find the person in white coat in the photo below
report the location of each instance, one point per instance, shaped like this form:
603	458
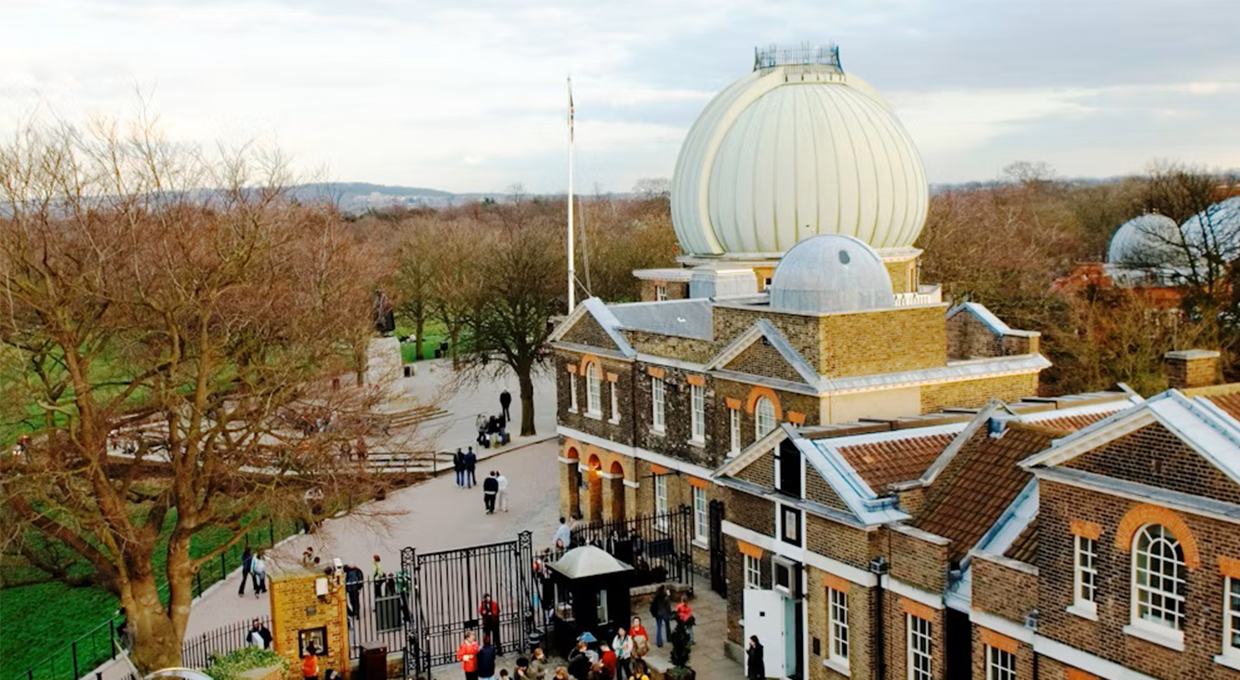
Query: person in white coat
502	501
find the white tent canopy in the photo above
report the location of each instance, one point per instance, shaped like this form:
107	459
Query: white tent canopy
588	561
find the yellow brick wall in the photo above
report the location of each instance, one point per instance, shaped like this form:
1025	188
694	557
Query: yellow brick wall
866	343
971	393
295	607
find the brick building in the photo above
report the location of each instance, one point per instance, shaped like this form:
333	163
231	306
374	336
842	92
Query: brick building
874	482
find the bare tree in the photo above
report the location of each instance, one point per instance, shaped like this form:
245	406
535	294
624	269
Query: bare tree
172	326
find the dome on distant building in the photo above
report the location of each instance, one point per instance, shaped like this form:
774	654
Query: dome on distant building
831	273
1215	230
795	149
1146	240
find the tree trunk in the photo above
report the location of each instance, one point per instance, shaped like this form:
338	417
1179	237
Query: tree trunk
527	402
156	644
419	324
454	332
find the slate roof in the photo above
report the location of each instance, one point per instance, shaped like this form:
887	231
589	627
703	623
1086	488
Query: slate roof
1025	547
690	318
895	460
979	484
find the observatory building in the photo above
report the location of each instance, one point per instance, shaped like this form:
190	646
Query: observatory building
858	466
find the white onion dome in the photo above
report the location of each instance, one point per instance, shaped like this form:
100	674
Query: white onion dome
796	149
1215	231
1146	240
831	273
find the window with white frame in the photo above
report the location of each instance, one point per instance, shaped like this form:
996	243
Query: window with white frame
1231	617
920	658
734	429
697	395
763	416
837	625
660	293
660	501
594	391
656	404
753	573
572	392
1085	574
615	402
701	522
1158	580
1000	664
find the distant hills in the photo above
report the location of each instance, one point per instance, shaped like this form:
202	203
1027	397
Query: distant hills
358	197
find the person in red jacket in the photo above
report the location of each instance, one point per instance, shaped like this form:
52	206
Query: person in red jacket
467	654
488	611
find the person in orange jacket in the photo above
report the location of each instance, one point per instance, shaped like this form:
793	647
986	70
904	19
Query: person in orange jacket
467	654
310	664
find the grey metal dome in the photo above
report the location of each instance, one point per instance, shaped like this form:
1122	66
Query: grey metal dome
831	273
1215	231
1146	240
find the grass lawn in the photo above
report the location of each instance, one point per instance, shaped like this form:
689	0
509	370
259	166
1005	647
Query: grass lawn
433	334
41	619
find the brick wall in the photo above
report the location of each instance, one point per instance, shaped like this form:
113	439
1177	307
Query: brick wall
860	624
983	637
672	346
587	332
843	543
809	407
895	630
1186	373
761	358
675	440
1153	455
917	561
902	280
1002	590
676	290
972	393
801	331
295	607
751	512
1059	506
605	426
736	586
817	490
760	472
865	343
968	338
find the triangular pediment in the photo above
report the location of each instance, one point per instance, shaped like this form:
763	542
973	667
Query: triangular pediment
593	325
1170	441
763	351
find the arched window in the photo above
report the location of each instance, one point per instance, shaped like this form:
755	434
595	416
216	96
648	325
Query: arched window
594	391
1158	577
763	416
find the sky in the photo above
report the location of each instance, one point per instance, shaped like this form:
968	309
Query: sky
469	96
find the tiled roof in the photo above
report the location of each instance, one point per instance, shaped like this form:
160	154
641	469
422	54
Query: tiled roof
1228	402
1072	423
1025	547
978	485
895	460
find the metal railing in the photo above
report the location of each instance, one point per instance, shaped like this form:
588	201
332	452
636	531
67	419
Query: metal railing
803	55
199	651
664	551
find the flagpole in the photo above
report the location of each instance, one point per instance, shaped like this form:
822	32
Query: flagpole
571	273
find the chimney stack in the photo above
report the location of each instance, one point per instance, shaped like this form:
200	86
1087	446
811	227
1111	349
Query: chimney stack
1188	368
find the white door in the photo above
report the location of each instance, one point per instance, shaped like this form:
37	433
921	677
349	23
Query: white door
764	617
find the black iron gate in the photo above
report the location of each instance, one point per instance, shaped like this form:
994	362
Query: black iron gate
448	588
718	557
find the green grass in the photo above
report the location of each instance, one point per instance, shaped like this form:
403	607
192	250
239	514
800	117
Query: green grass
432	334
41	619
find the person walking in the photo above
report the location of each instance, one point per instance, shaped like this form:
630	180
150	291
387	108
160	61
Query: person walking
623	646
458	464
755	664
505	400
490	489
354	581
661	610
564	535
488	611
258	567
502	497
486	660
467	654
684	614
471	461
310	664
247	563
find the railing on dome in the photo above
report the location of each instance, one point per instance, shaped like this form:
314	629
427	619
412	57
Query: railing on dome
805	55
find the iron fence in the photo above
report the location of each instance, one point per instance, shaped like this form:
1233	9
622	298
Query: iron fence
379	610
658	546
198	652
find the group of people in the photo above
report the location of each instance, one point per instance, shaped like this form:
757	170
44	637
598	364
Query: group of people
253	567
623	659
481	661
464	465
495	492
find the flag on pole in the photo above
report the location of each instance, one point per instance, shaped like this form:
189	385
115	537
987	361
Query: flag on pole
570	109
